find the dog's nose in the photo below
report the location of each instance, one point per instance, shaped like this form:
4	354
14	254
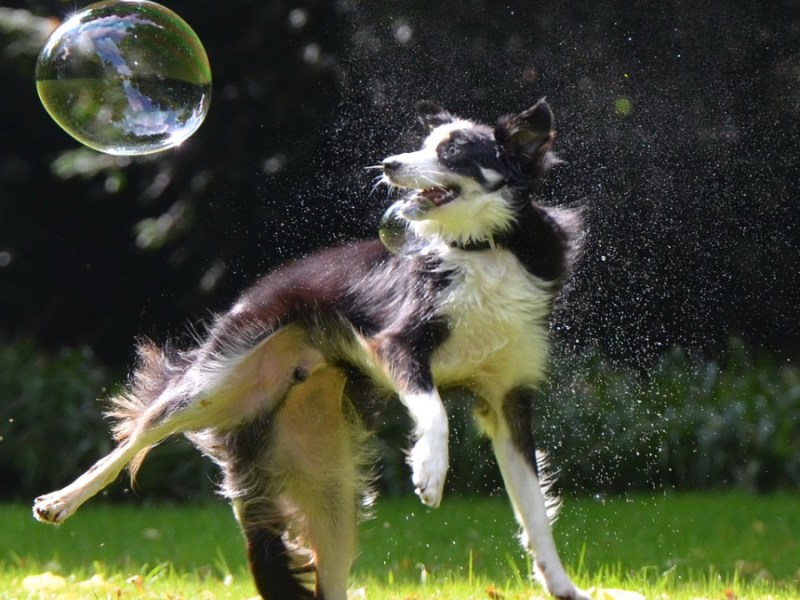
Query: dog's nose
391	165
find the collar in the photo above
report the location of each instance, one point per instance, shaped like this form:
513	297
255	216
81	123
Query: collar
476	245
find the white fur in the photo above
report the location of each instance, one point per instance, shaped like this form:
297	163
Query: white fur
429	455
498	332
530	508
467	218
499	315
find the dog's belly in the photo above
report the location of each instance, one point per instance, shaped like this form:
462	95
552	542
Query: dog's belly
498	325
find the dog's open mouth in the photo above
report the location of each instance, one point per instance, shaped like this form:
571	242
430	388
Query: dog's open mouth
439	195
417	206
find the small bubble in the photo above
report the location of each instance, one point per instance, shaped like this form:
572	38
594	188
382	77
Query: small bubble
274	164
125	77
151	534
393	230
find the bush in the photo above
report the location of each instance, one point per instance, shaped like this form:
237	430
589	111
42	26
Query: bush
735	423
52	429
50	424
687	423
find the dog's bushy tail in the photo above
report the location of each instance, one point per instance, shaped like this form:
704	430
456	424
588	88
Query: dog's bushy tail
154	369
571	223
547	483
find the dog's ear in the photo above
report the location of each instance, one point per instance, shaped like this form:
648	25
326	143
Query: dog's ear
525	139
431	115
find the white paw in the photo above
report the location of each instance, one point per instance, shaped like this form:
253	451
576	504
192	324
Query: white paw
556	581
569	592
582	595
51	508
428	460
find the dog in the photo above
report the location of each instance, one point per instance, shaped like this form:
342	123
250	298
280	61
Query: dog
274	391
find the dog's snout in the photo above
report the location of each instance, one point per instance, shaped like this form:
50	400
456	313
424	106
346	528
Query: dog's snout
390	165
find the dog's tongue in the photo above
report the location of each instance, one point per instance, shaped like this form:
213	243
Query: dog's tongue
435	195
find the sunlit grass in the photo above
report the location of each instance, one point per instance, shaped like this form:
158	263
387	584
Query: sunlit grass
717	546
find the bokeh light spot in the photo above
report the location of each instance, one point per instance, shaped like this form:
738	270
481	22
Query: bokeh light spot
623	106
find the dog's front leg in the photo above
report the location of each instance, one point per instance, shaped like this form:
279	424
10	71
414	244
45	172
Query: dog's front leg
511	431
428	457
404	360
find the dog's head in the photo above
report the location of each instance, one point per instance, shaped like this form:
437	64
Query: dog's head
467	180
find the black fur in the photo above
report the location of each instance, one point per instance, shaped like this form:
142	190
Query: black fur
468	151
518	412
271	564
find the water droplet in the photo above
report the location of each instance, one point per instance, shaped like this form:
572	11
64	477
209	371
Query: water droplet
125	77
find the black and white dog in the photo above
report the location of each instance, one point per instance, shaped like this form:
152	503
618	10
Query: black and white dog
269	393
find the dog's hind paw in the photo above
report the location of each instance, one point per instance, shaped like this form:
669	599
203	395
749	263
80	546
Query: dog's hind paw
428	460
51	508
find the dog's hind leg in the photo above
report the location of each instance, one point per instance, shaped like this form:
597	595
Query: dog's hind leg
214	392
509	426
57	506
303	519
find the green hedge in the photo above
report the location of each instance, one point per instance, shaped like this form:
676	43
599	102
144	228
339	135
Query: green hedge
50	424
52	428
687	424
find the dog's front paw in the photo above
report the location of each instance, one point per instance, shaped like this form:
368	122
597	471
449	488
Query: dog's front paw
51	508
568	591
579	594
428	460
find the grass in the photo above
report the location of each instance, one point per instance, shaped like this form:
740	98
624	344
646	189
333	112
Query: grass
717	547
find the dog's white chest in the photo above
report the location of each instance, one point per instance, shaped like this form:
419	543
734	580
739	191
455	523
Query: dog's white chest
497	312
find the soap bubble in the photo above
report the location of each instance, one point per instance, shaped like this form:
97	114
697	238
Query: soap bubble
393	229
125	77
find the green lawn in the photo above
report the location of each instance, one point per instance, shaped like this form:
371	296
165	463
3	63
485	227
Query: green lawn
667	547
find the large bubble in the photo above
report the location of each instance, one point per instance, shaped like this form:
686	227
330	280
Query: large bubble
125	77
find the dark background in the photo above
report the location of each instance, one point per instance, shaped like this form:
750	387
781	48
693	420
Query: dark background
678	123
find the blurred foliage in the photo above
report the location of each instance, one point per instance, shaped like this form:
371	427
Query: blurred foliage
50	423
52	429
687	424
678	123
